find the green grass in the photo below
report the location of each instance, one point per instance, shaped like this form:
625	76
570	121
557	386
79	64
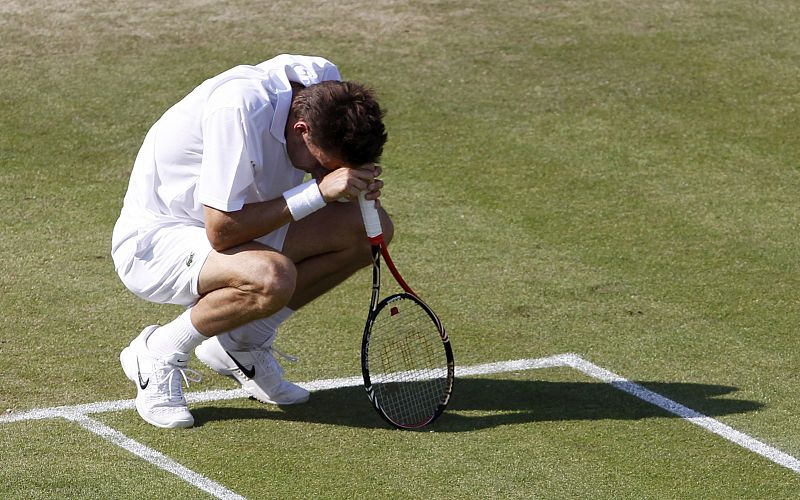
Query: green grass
616	179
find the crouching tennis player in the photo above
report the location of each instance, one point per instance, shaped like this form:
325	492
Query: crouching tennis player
218	218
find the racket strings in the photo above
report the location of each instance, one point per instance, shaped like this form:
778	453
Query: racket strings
409	370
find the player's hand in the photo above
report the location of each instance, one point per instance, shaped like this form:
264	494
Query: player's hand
346	183
373	191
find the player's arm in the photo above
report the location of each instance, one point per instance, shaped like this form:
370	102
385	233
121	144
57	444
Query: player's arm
230	229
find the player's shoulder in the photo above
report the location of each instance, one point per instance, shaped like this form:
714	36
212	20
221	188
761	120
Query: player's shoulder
239	87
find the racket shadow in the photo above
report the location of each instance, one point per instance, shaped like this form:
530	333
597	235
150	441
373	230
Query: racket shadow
486	403
480	403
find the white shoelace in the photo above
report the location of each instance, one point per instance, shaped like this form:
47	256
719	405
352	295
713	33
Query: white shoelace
263	357
175	388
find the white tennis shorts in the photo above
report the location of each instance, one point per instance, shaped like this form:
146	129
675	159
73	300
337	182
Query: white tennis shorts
162	261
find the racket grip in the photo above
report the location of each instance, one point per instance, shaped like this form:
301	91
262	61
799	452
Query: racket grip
372	221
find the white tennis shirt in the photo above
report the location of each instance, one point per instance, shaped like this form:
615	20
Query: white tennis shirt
223	145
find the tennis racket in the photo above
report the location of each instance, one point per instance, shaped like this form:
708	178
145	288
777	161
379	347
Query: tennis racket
406	358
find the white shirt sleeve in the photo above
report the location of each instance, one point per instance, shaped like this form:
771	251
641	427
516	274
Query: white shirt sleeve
226	173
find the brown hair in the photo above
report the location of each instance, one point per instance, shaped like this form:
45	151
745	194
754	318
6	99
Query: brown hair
344	119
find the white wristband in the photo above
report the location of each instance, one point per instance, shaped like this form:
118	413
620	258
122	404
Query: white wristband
304	200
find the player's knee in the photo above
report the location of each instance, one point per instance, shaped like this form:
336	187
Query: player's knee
274	283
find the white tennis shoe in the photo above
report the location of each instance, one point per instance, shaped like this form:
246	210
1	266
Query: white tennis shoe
255	369
159	397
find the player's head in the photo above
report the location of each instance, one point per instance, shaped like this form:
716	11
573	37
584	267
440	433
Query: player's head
344	119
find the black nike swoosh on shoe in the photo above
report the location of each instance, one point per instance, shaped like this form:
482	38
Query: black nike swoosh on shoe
247	373
142	383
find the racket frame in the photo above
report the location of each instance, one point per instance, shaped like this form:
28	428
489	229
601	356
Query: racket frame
376	306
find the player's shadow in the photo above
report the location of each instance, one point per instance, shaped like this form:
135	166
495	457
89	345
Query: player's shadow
484	403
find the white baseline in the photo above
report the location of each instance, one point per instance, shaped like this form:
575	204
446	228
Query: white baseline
80	414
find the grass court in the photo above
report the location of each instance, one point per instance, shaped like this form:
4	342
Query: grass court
599	198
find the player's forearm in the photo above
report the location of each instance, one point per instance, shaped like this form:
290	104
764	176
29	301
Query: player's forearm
226	230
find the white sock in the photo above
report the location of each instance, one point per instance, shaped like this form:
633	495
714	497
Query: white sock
179	335
258	332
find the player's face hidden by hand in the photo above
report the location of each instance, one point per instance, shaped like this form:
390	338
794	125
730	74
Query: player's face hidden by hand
305	155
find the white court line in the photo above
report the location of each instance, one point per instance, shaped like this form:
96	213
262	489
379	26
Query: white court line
154	457
79	414
315	385
695	417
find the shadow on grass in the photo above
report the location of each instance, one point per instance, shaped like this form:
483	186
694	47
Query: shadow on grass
486	403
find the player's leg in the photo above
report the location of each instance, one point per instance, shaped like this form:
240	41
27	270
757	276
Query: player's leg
161	264
252	281
176	265
240	285
327	247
